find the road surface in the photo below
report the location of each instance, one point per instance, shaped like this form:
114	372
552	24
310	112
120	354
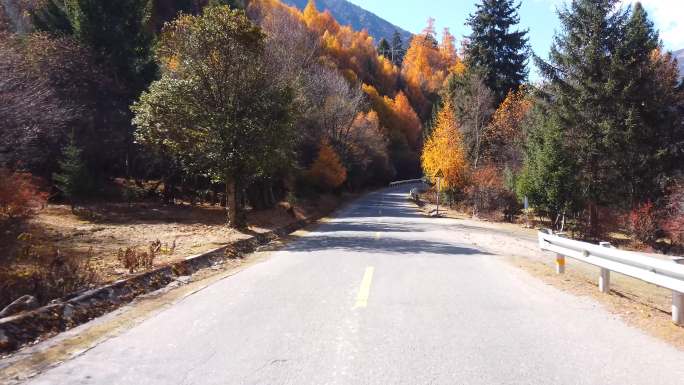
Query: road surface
378	295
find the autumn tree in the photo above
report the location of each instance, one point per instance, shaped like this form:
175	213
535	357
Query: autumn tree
500	52
368	159
426	65
444	150
504	137
327	171
352	52
215	107
472	101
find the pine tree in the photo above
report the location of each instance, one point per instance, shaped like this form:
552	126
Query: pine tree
645	94
116	31
72	180
494	47
384	48
398	49
548	177
52	17
583	79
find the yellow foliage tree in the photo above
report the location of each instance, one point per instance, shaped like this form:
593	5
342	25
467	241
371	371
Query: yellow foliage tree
426	66
444	150
503	138
409	122
327	170
396	114
351	50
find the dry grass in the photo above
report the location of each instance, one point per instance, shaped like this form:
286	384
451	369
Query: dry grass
101	237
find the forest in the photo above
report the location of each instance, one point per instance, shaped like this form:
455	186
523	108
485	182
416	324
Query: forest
245	104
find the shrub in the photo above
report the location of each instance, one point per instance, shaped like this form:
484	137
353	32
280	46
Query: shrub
673	218
643	223
46	276
20	194
487	192
134	260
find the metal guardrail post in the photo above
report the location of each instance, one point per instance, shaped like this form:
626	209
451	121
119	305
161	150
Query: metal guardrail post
604	277
678	308
560	264
678	302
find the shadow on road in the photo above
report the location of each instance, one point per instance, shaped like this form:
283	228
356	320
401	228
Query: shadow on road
380	245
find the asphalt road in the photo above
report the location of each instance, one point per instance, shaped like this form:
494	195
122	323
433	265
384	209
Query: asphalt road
378	295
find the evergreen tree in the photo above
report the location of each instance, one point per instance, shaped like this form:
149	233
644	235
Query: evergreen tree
615	96
72	180
398	49
582	77
116	31
499	51
52	17
548	176
646	97
384	48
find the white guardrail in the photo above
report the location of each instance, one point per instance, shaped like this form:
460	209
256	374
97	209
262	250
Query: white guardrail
410	181
663	273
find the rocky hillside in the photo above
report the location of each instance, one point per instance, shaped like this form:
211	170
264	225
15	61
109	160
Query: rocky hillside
358	18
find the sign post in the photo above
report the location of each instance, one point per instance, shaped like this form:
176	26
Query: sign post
439	175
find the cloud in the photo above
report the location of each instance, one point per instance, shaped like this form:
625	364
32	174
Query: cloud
668	16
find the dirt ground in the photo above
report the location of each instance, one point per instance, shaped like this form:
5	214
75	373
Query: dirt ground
98	231
640	304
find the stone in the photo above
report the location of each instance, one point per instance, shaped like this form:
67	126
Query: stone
6	343
23	303
184	280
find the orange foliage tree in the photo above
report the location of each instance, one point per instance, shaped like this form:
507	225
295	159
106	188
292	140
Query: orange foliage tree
504	137
350	50
396	115
426	65
327	171
444	150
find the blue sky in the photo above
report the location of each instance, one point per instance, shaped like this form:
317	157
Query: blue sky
539	16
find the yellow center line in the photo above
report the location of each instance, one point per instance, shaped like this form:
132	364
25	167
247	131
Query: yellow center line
364	290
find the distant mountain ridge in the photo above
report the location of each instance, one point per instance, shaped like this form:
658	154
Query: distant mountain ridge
358	18
680	59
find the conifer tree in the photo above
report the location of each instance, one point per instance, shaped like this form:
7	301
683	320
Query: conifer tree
72	180
384	48
398	49
615	96
498	50
116	31
548	177
646	98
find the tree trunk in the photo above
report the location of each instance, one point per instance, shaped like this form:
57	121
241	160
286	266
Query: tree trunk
231	203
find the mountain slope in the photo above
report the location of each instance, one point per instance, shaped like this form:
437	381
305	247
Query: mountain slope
680	58
358	18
